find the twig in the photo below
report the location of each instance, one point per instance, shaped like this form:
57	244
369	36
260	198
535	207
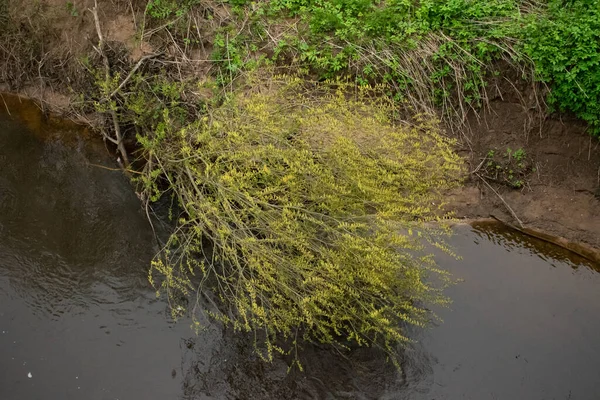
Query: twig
133	70
133	14
479	166
501	198
106	137
113	169
5	105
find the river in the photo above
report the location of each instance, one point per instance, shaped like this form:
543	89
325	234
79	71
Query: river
78	319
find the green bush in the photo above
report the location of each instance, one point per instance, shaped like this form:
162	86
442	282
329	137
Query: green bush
431	54
471	24
305	211
434	54
565	47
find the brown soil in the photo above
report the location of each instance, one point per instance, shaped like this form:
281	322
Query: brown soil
560	197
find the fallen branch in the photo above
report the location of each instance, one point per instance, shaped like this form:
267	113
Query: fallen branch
501	198
581	249
479	166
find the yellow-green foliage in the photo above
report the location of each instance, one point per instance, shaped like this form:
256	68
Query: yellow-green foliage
305	211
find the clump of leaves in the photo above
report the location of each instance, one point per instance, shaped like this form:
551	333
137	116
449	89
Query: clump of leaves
508	167
306	210
565	46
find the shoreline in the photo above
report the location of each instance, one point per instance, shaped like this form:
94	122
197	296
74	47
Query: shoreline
473	203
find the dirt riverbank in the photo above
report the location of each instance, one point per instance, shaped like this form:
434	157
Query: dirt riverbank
561	197
560	190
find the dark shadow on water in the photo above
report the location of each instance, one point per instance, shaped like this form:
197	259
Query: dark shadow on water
76	309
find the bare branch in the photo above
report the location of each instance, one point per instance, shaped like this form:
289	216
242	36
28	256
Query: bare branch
113	113
501	198
133	70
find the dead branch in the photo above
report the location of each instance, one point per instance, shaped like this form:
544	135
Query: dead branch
113	113
501	198
133	70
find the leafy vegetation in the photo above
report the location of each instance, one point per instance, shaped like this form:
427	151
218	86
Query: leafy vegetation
432	54
304	210
565	47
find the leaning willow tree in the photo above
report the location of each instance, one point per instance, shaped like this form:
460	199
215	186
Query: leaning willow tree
306	209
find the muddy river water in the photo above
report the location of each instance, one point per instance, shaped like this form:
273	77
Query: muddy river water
78	319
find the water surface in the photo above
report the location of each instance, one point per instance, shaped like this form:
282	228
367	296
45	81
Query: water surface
523	325
76	311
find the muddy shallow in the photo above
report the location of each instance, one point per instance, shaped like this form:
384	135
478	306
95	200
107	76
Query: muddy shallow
77	313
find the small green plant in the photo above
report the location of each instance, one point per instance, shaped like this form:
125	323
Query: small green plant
72	9
518	155
511	167
230	55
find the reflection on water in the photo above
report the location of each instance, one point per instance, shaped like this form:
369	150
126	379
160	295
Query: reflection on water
76	311
511	239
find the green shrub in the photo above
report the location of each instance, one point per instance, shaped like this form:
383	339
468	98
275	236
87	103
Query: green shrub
438	52
305	212
565	47
431	54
